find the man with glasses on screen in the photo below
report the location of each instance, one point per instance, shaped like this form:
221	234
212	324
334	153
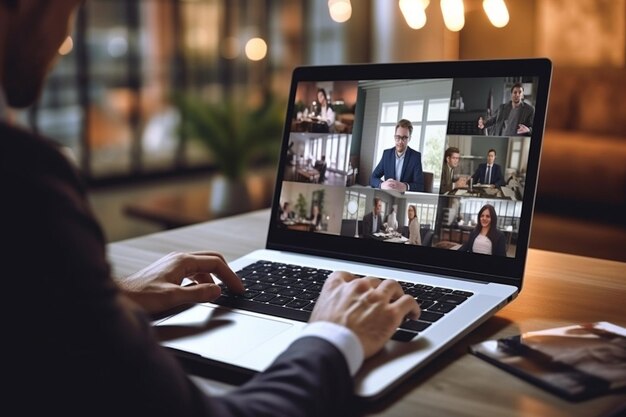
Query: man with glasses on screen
400	166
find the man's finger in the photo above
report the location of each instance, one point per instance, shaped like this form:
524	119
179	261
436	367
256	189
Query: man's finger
200	293
391	289
406	306
216	265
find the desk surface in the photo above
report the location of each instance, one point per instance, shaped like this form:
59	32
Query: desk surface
558	290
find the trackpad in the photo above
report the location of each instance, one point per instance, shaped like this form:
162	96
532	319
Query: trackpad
217	333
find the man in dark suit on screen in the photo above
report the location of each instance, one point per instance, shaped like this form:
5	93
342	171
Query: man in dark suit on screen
489	173
401	166
373	221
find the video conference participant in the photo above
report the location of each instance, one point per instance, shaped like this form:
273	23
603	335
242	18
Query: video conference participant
451	177
489	172
400	166
373	221
324	112
315	218
514	118
415	238
486	238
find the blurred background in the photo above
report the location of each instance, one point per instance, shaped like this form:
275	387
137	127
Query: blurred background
141	85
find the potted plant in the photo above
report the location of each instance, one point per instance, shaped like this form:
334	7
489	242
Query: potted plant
238	137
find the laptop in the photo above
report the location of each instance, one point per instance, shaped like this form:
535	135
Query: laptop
322	228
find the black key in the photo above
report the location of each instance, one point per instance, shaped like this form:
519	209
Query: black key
402	335
269	279
249	294
278	311
414	292
442	307
425	304
430	316
418	326
258	287
441	289
301	284
320	277
424	287
430	296
308	295
286	281
452	299
244	273
463	293
290	292
264	297
280	300
297	304
273	290
309	307
315	287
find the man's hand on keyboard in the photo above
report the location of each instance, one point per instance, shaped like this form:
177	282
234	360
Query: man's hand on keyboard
157	287
371	308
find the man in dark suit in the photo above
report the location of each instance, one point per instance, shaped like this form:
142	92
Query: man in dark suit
401	166
450	172
514	118
489	173
373	221
100	354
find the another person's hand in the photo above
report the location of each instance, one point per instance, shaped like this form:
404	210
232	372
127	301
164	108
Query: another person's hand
481	123
371	308
392	184
461	182
522	129
157	287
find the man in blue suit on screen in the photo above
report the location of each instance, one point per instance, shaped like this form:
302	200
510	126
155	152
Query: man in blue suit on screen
489	173
400	166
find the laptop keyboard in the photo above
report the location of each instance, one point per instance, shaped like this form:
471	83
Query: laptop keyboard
290	291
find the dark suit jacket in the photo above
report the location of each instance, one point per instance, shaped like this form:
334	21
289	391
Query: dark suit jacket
497	248
411	169
446	179
526	117
100	354
368	221
497	177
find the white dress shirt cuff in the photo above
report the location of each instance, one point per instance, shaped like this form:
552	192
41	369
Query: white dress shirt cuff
342	338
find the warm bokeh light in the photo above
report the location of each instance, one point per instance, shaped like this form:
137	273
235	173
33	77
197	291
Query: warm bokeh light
340	10
453	14
414	12
67	46
256	49
497	12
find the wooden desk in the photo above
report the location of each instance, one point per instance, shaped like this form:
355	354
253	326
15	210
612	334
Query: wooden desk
558	290
203	202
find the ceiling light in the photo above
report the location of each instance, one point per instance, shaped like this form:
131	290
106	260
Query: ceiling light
340	10
414	12
453	13
497	12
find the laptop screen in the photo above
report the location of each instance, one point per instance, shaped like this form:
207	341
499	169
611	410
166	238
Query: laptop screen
424	166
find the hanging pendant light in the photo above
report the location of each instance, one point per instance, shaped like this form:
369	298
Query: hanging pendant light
414	12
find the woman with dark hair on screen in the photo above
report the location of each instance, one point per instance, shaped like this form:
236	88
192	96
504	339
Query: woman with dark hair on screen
323	110
486	238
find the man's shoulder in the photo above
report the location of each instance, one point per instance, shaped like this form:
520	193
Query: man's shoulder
411	151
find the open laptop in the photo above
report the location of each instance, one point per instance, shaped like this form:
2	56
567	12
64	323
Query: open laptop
327	160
